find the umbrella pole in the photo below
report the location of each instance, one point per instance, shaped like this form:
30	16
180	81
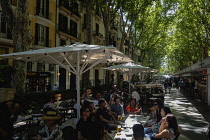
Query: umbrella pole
78	85
129	88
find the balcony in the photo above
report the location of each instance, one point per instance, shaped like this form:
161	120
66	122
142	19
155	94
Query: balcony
70	8
113	29
98	16
84	27
48	16
74	34
98	35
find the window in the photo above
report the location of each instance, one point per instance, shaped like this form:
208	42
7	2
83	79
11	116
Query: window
126	51
42	8
74	8
73	28
97	28
40	67
42	35
14	2
29	66
3	25
63	23
84	24
4	51
98	11
51	67
62	42
65	4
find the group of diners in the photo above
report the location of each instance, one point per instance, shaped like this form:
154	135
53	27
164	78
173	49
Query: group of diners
99	117
163	124
102	117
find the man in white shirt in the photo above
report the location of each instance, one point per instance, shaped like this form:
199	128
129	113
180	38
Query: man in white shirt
135	95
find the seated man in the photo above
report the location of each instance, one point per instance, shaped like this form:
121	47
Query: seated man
116	107
138	132
88	129
106	116
84	124
8	115
92	110
97	98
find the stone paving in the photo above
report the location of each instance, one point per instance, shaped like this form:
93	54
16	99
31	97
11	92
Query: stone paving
193	116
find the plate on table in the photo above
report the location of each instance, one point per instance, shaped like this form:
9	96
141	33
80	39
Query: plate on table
129	133
132	115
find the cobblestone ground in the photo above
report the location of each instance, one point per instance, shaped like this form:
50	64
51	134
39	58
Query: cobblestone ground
193	116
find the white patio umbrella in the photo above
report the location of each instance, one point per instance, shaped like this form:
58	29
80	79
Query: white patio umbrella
77	58
129	68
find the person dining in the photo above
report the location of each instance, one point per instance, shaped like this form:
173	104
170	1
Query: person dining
133	107
116	107
87	95
84	124
138	132
9	111
92	109
169	129
106	116
155	127
52	128
156	116
97	98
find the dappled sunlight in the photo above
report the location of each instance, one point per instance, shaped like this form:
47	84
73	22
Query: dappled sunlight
189	127
191	121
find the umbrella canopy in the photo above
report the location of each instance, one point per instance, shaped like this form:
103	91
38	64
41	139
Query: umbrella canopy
130	68
77	58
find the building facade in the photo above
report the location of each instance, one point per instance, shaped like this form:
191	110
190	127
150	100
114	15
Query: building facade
56	23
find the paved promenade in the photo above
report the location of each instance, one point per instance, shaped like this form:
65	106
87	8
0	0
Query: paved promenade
193	116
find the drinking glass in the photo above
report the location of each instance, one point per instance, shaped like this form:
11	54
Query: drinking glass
119	128
119	118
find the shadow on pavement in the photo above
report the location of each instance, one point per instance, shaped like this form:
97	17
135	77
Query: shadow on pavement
191	121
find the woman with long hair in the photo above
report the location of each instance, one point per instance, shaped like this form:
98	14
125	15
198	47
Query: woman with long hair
133	107
155	127
169	129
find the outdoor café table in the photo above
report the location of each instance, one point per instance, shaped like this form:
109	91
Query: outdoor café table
23	120
36	116
126	129
64	111
157	95
70	122
153	98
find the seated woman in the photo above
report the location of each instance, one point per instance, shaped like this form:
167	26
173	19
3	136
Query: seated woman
51	129
156	116
133	107
155	127
169	128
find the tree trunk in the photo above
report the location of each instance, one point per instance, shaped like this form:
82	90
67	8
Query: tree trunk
89	6
18	23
